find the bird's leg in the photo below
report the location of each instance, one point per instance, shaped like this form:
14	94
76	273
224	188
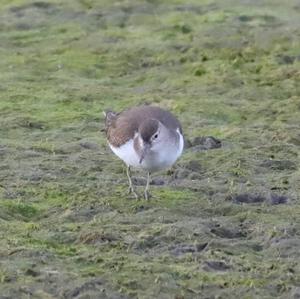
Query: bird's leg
146	192
131	188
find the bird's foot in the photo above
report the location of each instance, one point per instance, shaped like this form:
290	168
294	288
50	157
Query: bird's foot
132	191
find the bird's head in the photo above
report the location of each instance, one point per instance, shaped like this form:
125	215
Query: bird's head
150	135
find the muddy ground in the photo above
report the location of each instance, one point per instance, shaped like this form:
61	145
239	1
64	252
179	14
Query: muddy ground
224	222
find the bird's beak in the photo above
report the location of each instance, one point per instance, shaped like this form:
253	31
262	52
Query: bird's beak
145	151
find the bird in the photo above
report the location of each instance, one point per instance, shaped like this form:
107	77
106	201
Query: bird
145	137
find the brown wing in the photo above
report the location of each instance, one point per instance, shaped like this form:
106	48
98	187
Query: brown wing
122	127
120	131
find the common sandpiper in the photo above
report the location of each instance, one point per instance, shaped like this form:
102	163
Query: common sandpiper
144	137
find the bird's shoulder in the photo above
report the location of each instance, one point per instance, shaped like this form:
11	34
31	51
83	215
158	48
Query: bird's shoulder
121	127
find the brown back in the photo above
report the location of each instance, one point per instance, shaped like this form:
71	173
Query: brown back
122	126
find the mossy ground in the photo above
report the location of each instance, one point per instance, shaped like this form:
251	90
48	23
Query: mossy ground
228	228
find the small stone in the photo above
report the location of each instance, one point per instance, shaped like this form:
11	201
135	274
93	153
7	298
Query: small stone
89	145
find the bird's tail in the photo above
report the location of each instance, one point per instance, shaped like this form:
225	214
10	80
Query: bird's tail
110	118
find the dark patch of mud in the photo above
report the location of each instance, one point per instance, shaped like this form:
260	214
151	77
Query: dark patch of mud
86	213
287	59
97	238
227	232
38	4
248	198
154	181
203	143
215	266
279	165
64	216
191	170
277	199
262	20
94	288
286	247
182	249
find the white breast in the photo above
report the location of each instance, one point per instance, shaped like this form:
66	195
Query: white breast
164	158
127	153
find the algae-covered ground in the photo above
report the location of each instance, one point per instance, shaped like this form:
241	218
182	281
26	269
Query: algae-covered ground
224	222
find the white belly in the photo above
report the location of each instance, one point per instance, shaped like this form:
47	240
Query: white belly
127	153
155	160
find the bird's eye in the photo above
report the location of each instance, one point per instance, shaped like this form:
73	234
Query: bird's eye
155	136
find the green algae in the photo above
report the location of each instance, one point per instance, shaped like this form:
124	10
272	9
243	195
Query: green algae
228	70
